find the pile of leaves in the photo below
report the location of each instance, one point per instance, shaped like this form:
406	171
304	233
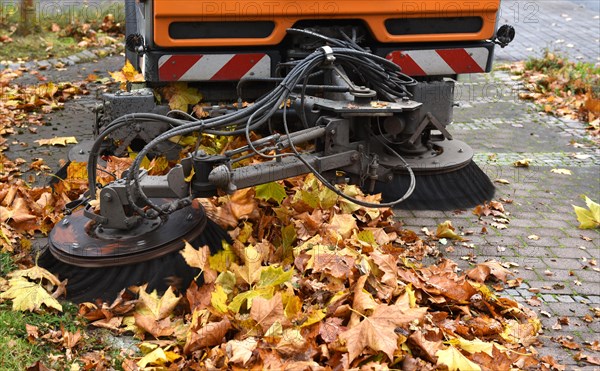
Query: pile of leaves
107	31
24	210
312	279
22	106
563	88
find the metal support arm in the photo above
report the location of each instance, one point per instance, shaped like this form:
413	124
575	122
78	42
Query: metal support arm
232	179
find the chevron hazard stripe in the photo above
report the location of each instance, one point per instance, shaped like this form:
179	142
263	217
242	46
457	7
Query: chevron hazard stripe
213	67
441	61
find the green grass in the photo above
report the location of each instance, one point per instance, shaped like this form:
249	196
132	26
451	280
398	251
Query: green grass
17	352
6	263
43	43
39	46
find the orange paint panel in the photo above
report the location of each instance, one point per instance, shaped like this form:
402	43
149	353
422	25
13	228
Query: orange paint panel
286	13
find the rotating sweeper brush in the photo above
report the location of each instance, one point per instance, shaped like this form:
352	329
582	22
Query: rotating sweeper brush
340	112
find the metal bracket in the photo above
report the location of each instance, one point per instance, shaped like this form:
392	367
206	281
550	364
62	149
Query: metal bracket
429	119
328	51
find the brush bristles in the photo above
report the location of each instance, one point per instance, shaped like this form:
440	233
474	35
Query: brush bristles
88	284
460	189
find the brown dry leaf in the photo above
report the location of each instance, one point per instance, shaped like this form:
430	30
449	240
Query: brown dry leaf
337	265
426	348
498	360
205	336
594	345
442	280
32	333
534	301
377	331
522	163
330	329
156	328
343	224
18	212
113	323
521	333
266	312
580	356
388	264
552	363
242	204
569	344
70	339
240	351
483	270
363	301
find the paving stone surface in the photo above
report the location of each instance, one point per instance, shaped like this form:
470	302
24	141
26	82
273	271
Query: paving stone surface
560	261
571	27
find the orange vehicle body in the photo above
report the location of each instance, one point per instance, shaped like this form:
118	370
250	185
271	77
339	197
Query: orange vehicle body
377	16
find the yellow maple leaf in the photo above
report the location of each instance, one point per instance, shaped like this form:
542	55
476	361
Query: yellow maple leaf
476	345
588	218
218	299
247	297
223	259
251	270
57	141
195	258
159	307
158	357
455	360
35	273
446	230
180	96
28	295
314	317
46	90
127	74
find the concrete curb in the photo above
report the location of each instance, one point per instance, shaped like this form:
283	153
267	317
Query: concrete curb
81	57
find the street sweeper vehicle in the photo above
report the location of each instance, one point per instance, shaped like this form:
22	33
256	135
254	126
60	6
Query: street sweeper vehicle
352	91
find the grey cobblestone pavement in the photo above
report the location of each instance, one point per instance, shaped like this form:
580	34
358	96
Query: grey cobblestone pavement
557	265
572	27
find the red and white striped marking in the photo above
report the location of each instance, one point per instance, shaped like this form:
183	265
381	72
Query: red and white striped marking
441	61
213	67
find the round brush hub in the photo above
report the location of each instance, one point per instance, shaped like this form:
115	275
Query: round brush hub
79	241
